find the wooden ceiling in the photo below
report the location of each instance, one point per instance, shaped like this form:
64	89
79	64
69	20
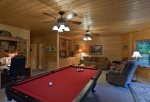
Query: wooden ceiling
105	17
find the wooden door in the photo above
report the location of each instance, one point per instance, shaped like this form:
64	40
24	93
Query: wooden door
34	56
41	56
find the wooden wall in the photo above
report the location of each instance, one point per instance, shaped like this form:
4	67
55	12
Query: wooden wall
126	48
114	47
19	32
111	46
130	40
143	72
49	58
66	61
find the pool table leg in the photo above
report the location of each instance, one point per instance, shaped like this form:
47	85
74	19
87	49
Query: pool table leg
94	87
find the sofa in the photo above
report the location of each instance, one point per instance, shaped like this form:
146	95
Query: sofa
98	62
124	77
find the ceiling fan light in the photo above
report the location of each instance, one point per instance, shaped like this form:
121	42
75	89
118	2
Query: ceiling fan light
55	27
67	29
84	38
60	30
89	38
62	26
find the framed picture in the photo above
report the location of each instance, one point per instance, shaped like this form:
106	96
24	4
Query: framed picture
50	48
95	49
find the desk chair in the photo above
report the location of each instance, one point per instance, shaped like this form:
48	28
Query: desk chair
17	68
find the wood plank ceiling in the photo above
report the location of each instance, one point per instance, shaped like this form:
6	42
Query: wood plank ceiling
105	17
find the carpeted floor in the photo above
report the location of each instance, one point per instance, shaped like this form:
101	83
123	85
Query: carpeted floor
109	93
104	92
141	92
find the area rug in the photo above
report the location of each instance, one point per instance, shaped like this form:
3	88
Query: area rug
141	93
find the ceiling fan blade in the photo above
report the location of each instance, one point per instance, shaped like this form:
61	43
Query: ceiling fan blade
46	22
97	34
45	13
70	15
74	22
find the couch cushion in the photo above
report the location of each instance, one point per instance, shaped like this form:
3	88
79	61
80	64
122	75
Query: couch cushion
92	59
86	58
101	59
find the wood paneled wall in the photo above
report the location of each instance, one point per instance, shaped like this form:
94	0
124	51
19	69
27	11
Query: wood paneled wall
66	61
126	48
19	32
130	41
143	72
50	57
111	46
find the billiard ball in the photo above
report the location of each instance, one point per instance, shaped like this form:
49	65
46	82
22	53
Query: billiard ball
81	70
50	83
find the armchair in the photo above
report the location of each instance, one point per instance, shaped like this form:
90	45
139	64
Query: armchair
122	78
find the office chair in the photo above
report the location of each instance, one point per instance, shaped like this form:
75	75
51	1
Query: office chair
17	68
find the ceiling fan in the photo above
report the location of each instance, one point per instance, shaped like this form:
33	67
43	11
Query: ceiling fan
67	18
88	35
62	22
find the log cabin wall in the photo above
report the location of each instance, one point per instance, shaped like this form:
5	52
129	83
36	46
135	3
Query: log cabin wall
48	59
111	46
130	41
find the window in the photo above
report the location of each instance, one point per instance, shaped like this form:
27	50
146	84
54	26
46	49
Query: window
143	46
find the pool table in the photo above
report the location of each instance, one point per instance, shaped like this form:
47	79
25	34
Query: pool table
61	85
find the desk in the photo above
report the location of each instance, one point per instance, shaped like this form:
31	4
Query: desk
3	79
2	67
68	86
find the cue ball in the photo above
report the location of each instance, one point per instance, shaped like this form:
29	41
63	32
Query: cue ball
50	83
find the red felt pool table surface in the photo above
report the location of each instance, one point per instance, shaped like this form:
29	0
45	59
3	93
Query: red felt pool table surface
67	84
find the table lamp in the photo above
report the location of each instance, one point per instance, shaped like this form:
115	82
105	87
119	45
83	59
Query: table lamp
136	54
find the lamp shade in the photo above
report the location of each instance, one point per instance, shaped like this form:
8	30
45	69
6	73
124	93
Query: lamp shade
80	50
67	29
136	54
89	38
60	30
55	27
84	38
62	26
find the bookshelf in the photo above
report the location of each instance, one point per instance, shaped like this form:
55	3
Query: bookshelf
66	48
